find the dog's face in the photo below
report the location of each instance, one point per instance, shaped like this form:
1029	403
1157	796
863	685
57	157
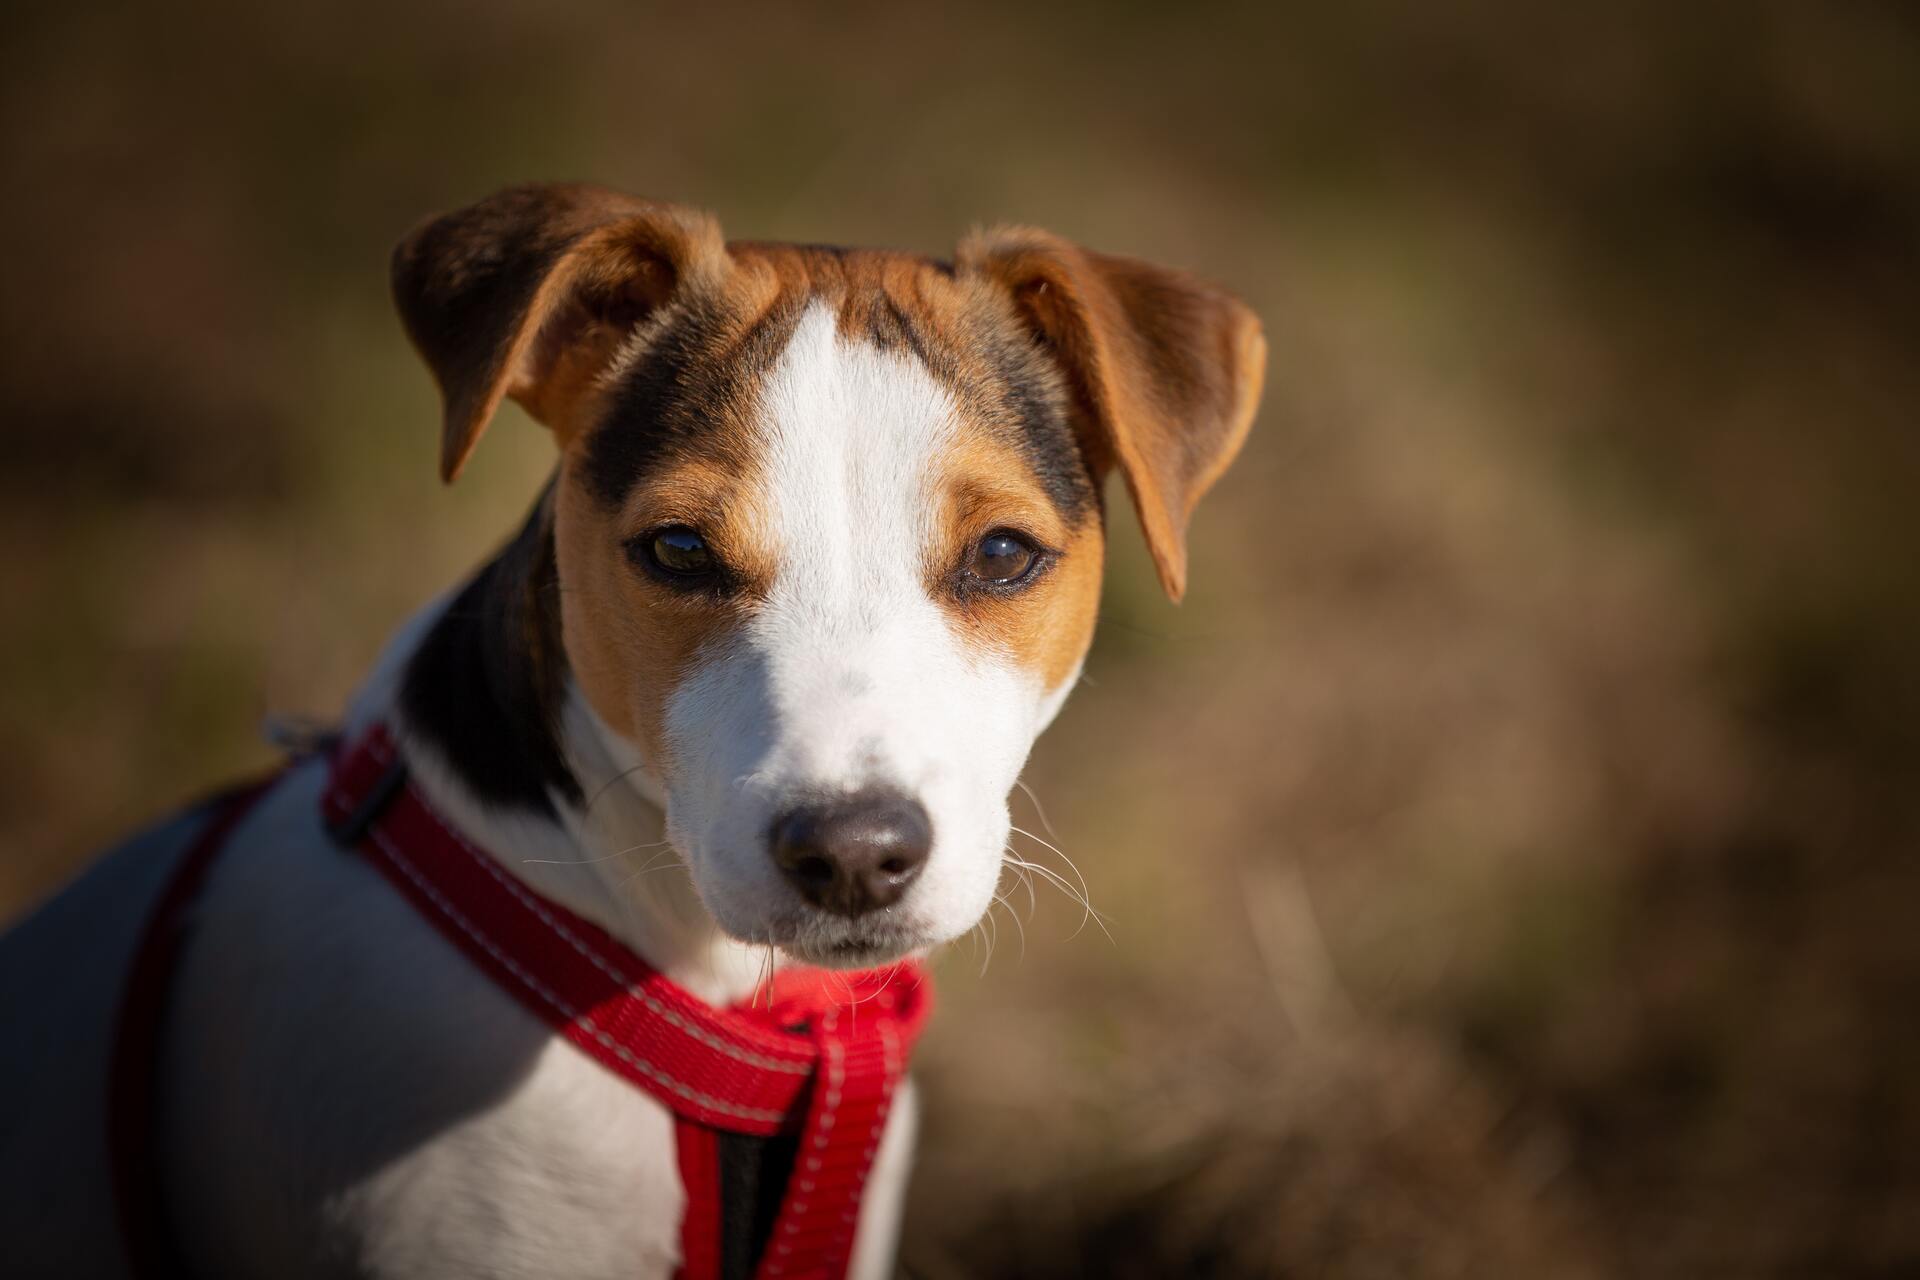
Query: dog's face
844	599
828	526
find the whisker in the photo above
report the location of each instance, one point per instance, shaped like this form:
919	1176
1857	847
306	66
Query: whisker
1084	895
893	972
1078	896
764	983
999	900
1025	878
1037	807
992	935
653	864
1056	849
606	786
586	862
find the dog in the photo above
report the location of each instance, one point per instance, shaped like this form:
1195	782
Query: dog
819	561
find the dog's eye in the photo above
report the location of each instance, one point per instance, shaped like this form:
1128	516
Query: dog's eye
678	552
1003	557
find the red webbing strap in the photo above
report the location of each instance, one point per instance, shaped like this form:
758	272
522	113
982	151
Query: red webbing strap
813	1235
721	1068
834	1044
133	1071
862	1060
700	1246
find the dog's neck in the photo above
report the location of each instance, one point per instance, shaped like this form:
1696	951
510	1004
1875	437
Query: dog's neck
503	744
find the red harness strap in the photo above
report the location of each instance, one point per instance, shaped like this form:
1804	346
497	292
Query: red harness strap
820	1052
130	1079
815	1058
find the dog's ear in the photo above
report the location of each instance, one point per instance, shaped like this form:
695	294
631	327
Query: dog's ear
530	292
1166	369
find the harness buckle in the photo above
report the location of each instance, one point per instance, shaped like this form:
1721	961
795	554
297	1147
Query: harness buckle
348	831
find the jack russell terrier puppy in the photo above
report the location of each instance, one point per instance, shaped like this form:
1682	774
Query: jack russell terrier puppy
488	986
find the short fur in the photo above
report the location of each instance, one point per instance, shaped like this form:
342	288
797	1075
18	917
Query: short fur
341	1093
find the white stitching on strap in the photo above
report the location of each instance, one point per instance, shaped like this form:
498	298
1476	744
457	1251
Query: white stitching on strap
586	949
835	1075
533	984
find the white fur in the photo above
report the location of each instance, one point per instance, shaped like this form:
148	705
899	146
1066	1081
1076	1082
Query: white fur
342	1093
850	674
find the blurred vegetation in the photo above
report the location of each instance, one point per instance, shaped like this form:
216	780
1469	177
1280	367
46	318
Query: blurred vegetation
1508	850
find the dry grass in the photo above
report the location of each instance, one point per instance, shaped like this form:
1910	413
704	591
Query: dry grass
1507	850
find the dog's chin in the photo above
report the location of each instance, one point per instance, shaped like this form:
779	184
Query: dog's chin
851	954
835	942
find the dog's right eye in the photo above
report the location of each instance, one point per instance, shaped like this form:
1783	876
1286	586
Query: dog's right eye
675	552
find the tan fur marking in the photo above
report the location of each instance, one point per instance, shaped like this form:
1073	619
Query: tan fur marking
603	313
632	638
1167	369
1046	627
632	650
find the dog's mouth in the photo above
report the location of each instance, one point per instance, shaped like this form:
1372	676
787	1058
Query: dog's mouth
838	943
852	955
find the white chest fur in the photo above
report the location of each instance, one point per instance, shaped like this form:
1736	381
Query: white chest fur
346	1094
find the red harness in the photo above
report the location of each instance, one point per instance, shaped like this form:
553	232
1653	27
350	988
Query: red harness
811	1064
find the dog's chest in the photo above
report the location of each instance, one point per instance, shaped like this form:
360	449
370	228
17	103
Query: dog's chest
347	1094
572	1174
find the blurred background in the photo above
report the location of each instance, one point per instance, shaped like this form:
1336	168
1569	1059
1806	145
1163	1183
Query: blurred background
1508	849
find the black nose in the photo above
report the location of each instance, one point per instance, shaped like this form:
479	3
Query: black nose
854	854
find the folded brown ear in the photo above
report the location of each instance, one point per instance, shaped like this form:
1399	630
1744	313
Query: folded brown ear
1167	369
530	292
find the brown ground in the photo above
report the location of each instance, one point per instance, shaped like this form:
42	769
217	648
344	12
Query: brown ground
1508	850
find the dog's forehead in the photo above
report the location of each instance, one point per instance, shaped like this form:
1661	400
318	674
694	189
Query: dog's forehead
694	384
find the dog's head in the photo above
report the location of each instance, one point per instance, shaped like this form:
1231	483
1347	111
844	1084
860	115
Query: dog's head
828	523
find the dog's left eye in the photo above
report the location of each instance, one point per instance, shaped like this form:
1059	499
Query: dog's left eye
676	551
1002	557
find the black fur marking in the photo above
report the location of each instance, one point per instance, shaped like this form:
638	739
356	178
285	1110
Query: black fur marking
484	687
891	329
696	375
693	376
1041	424
1026	404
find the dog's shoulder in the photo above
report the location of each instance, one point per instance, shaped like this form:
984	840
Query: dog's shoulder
326	1038
62	970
